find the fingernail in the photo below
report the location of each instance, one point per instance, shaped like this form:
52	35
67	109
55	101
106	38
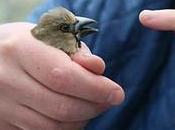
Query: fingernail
148	11
148	14
116	97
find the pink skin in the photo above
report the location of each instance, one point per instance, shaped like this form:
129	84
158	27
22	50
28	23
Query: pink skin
42	88
159	19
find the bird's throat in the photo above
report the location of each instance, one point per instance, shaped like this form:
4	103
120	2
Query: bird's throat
78	41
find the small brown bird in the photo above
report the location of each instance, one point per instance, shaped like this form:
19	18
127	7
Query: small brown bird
62	29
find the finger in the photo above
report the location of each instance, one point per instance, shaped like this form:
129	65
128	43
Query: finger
97	89
91	62
22	118
28	92
59	107
54	69
159	19
26	118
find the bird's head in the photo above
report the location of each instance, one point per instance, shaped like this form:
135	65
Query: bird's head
62	21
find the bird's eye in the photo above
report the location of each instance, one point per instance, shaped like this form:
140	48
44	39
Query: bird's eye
64	27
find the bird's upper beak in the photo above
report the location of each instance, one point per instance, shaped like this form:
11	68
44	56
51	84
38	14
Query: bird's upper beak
82	27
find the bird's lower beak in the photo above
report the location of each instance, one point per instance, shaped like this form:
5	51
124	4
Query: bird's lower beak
82	27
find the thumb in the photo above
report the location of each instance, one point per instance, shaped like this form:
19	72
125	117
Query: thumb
159	19
91	62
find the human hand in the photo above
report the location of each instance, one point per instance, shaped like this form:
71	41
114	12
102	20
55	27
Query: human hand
42	88
159	19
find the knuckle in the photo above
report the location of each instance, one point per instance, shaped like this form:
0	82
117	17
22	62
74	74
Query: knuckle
60	77
7	46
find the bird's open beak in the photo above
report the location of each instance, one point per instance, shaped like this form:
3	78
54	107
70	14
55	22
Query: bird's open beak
82	27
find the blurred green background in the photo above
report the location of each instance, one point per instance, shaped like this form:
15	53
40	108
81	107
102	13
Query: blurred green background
16	10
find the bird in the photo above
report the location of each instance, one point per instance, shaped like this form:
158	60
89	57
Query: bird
62	29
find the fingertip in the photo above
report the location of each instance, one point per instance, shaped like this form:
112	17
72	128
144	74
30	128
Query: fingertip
142	15
100	66
92	63
116	96
145	16
122	96
158	19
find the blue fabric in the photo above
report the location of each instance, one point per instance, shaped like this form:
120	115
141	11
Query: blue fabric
139	59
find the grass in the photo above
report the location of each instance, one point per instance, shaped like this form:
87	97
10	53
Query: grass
16	10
